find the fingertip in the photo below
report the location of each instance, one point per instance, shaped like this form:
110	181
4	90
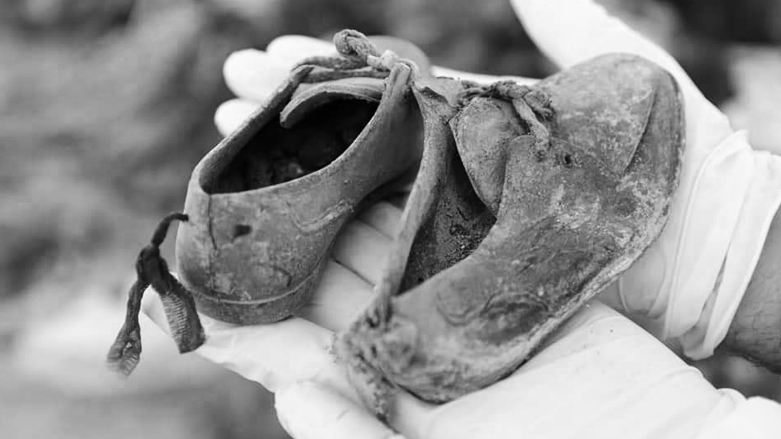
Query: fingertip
234	70
242	57
231	114
253	74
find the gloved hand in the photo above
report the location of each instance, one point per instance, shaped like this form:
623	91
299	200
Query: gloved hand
601	375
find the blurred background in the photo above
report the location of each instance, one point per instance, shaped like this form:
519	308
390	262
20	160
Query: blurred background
106	106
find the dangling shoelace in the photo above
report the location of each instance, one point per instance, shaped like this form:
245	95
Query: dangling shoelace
531	105
178	304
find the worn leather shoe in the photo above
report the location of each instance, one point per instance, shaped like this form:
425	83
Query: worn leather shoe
577	172
266	204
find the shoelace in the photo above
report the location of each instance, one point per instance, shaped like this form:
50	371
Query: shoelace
531	105
357	57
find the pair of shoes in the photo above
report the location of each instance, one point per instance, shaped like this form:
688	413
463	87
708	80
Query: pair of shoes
266	204
529	201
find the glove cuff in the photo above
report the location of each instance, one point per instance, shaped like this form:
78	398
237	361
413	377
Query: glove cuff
759	207
689	284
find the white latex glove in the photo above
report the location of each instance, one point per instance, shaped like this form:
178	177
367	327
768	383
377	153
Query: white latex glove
601	376
689	284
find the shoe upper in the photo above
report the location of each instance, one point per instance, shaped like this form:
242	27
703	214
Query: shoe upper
266	203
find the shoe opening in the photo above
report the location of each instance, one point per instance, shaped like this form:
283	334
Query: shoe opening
276	154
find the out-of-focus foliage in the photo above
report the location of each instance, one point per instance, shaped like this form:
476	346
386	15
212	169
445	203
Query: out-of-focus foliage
105	107
745	21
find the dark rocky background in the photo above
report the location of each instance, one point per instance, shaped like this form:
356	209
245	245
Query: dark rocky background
105	107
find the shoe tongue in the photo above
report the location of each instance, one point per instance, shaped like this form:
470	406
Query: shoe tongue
309	97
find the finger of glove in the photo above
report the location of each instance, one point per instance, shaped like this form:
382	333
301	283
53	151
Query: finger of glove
362	249
383	217
340	296
274	355
479	77
310	411
572	31
486	411
231	114
291	49
253	74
